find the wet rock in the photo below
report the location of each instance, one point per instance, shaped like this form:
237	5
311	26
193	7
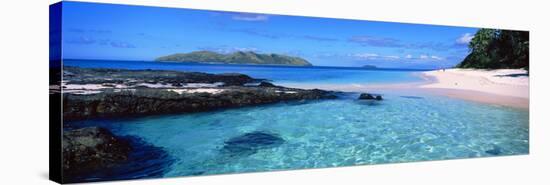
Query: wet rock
149	101
143	100
143	161
76	75
91	148
368	96
250	143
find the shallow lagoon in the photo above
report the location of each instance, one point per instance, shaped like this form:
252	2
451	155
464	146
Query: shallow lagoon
329	133
405	127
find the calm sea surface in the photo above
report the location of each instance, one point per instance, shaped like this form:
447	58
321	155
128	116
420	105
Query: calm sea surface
282	74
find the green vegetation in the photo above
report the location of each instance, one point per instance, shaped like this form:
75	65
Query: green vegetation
498	49
234	58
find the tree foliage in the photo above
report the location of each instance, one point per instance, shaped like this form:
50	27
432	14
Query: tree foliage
498	49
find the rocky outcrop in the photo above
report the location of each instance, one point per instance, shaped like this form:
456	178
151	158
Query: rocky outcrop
250	143
161	101
94	154
93	93
92	148
76	75
368	96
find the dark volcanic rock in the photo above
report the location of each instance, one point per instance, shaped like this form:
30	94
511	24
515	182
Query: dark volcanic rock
94	154
250	143
92	148
123	76
148	101
134	98
368	96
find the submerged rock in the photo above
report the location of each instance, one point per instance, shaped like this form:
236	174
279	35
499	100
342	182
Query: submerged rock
495	151
412	97
92	148
250	143
368	96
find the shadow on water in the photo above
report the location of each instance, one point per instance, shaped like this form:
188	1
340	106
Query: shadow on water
412	97
369	102
297	102
145	161
339	96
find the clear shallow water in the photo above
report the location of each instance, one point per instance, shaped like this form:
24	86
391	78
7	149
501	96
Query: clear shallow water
332	133
279	74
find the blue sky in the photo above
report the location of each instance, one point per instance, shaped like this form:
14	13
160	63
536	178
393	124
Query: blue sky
120	32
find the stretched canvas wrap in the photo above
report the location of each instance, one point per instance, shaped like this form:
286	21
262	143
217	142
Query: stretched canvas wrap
148	92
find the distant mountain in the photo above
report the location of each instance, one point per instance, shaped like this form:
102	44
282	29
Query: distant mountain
370	66
239	57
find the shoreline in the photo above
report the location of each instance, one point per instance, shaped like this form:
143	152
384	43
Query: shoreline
505	87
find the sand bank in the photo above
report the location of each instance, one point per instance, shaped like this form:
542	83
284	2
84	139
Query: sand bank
509	87
505	82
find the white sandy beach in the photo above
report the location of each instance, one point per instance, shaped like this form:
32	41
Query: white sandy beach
508	87
504	86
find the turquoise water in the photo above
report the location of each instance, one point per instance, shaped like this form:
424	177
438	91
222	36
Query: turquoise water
278	74
331	133
404	127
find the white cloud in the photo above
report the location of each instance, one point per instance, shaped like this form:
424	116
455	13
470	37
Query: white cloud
465	38
245	49
430	58
366	56
392	57
250	17
436	57
374	56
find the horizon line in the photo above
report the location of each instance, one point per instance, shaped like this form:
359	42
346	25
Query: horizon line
268	65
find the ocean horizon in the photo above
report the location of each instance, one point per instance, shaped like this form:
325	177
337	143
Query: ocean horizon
275	73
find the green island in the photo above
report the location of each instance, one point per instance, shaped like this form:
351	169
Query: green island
239	57
369	67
